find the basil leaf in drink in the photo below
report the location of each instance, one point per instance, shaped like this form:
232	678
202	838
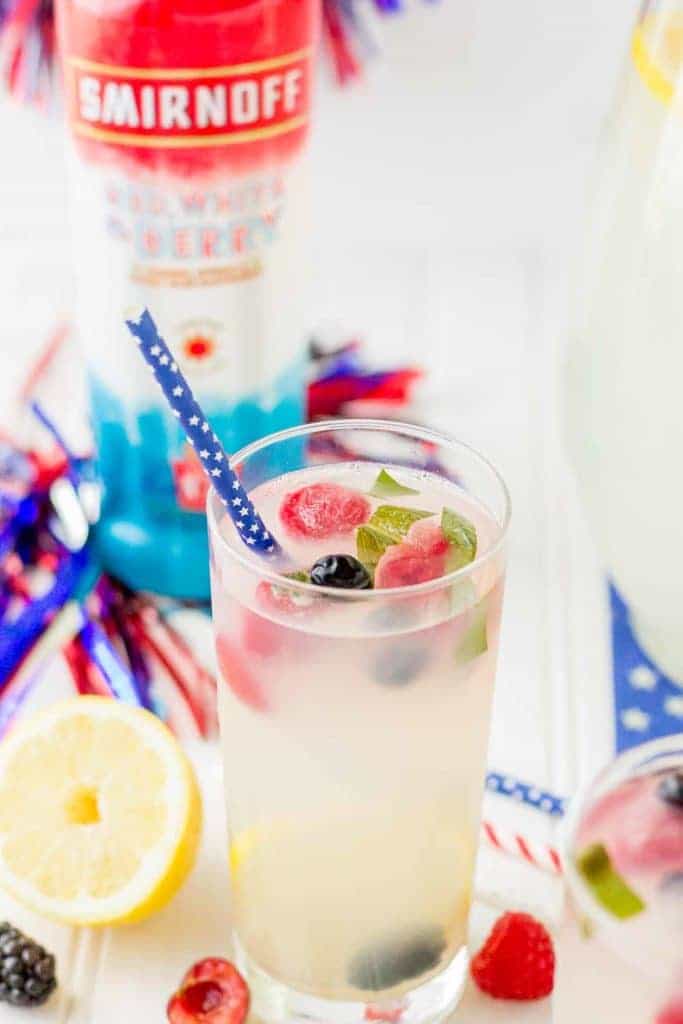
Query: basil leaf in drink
396	520
475	640
461	534
299	576
606	884
371	543
386	487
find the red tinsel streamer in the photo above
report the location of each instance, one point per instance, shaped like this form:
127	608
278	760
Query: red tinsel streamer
345	64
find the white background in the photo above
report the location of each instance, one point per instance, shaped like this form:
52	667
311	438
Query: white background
449	190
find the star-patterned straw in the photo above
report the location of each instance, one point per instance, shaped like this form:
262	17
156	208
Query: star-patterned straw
214	459
525	793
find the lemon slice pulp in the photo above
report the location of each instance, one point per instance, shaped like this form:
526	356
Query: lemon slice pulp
100	812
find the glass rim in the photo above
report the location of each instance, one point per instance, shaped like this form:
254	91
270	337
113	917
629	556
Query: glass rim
415	432
639	757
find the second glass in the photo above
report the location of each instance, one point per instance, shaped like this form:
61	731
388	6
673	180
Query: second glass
354	729
620	951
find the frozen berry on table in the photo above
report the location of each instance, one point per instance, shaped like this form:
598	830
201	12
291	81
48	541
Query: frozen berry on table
212	992
27	971
342	571
670	789
323	510
517	961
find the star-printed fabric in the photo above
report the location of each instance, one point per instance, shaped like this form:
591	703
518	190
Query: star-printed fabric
647	704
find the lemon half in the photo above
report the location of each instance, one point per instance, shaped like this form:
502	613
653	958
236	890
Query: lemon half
100	813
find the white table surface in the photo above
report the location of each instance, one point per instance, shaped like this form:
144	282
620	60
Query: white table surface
446	237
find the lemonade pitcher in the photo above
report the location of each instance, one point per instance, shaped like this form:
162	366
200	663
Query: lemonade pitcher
624	410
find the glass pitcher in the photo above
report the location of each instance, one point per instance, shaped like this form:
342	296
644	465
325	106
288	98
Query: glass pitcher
625	373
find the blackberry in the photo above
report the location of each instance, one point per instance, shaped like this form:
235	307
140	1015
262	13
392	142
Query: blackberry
27	971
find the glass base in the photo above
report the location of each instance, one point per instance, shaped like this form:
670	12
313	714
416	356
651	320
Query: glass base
276	1003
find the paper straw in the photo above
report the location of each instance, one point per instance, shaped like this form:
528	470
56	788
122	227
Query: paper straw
212	456
539	855
526	793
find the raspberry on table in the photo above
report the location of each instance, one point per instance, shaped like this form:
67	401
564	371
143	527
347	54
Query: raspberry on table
517	961
27	971
672	1013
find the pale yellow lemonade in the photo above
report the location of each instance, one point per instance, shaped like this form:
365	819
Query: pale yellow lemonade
355	725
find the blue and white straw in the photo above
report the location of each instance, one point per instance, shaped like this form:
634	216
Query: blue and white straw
525	793
214	459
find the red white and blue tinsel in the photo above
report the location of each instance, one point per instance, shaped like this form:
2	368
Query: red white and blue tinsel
27	49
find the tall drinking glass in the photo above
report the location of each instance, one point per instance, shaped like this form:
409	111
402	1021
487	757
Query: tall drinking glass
620	952
355	722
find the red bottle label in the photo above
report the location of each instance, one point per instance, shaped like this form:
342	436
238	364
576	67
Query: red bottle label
186	88
173	108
